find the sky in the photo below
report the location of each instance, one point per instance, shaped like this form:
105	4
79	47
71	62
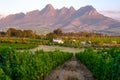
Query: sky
17	6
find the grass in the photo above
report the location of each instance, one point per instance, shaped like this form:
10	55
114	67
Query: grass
52	48
18	46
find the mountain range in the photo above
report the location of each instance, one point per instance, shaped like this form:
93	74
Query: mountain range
68	19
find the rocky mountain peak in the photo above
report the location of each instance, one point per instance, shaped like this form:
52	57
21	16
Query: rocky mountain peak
71	9
48	11
90	10
49	6
63	11
13	17
33	13
87	10
69	19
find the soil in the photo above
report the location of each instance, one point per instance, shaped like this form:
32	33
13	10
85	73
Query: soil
71	70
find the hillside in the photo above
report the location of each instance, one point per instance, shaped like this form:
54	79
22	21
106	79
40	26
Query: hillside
70	20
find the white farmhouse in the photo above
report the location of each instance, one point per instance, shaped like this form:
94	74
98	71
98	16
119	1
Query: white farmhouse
58	40
83	42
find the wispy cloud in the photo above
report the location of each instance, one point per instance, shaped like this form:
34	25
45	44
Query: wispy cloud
111	13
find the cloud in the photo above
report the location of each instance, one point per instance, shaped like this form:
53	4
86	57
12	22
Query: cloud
111	13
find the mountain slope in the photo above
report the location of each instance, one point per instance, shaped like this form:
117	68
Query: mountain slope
86	18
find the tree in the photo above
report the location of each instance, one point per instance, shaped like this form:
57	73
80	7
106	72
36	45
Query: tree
11	32
28	33
58	31
51	36
2	33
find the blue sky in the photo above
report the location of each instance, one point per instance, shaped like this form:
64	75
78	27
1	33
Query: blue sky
16	6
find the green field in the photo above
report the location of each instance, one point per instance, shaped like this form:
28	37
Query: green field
61	48
34	59
104	64
26	66
17	46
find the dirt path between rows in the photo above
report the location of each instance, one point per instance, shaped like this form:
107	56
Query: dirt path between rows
70	70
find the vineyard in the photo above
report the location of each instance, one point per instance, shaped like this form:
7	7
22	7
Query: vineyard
18	46
60	43
68	41
95	42
20	43
36	58
27	66
104	64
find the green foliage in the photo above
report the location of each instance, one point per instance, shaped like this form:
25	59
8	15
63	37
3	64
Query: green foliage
2	74
18	46
27	65
21	43
2	33
12	32
58	32
50	36
95	41
104	64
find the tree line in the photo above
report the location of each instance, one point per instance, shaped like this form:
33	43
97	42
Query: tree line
12	32
59	33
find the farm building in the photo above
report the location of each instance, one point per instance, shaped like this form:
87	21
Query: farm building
83	42
58	40
86	42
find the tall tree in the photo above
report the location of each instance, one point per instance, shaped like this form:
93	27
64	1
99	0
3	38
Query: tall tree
28	33
58	31
51	36
2	33
11	32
